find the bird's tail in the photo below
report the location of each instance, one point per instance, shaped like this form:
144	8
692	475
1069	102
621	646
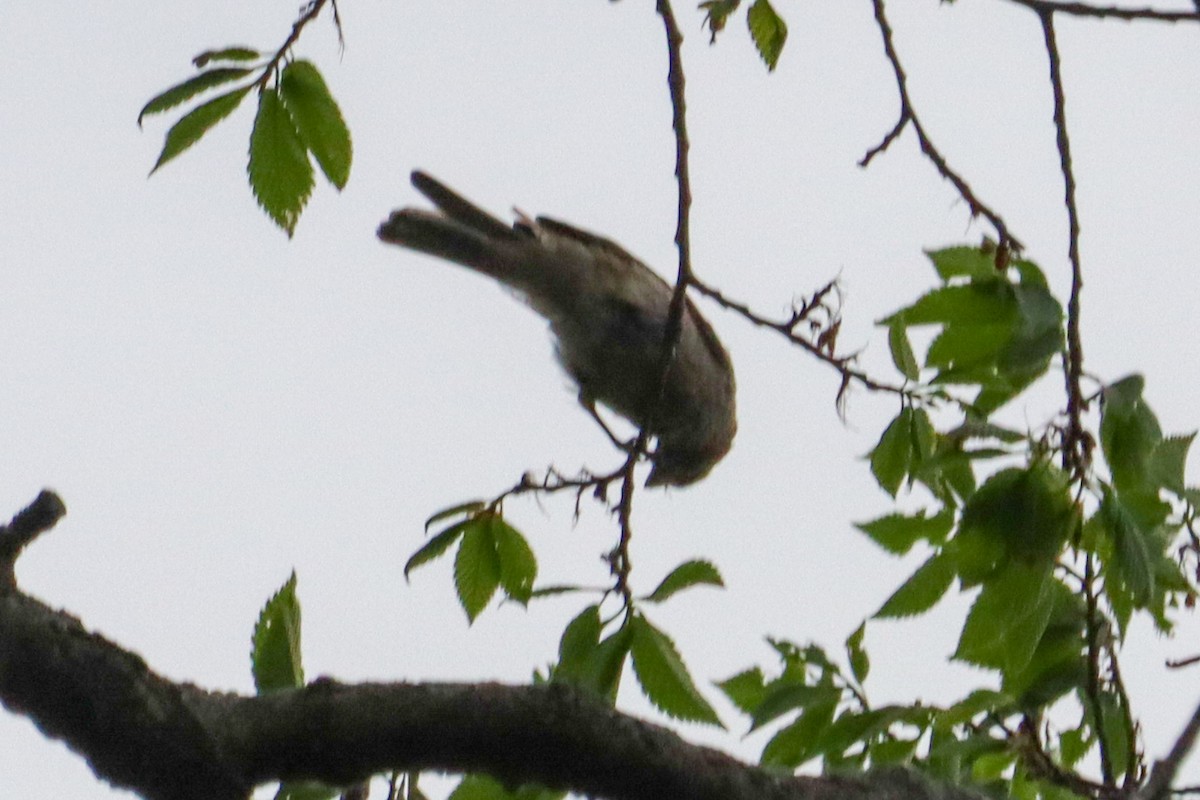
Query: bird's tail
458	231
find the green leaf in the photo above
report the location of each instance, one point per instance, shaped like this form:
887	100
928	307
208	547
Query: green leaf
1131	554
476	566
971	706
664	678
1129	433
962	261
226	54
518	565
275	654
281	175
989	303
922	590
435	547
193	125
797	743
897	533
1029	511
1008	618
587	662
1115	734
318	119
193	86
902	352
745	690
1168	462
892	457
784	696
1058	664
768	31
690	573
468	508
716	15
860	662
960	346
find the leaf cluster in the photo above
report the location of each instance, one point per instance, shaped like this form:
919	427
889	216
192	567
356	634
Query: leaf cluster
297	122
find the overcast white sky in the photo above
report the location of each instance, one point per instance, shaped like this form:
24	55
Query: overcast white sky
219	405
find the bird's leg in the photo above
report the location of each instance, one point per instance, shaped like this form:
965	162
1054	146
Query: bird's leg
589	405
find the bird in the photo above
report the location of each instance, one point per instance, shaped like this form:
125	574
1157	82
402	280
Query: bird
608	312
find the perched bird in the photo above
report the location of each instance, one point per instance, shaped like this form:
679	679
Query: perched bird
608	312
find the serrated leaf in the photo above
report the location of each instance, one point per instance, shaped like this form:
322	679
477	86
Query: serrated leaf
1008	618
1129	433
281	175
664	678
923	589
962	261
435	547
588	662
1029	511
690	573
745	690
470	507
476	567
860	662
318	119
897	533
1115	734
1168	462
892	457
225	54
963	346
768	30
972	304
784	696
518	565
902	352
193	86
1131	554
796	743
974	704
193	125
275	653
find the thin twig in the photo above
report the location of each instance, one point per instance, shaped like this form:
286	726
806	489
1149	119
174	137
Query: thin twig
1093	668
32	521
908	116
1165	770
1076	445
1100	12
307	15
787	328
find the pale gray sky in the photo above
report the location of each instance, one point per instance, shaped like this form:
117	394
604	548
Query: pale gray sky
219	405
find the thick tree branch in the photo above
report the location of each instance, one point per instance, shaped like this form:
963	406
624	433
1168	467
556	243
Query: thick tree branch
169	741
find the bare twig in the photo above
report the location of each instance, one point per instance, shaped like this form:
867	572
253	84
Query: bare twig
32	521
1165	771
1075	444
908	116
1113	12
787	328
1092	688
308	13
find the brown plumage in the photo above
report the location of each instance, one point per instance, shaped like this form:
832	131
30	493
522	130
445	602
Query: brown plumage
608	312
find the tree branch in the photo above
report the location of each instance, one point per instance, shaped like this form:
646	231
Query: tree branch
171	741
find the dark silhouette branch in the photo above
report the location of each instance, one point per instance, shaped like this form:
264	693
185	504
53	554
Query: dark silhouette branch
171	741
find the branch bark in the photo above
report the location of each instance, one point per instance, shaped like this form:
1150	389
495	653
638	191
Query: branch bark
174	741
